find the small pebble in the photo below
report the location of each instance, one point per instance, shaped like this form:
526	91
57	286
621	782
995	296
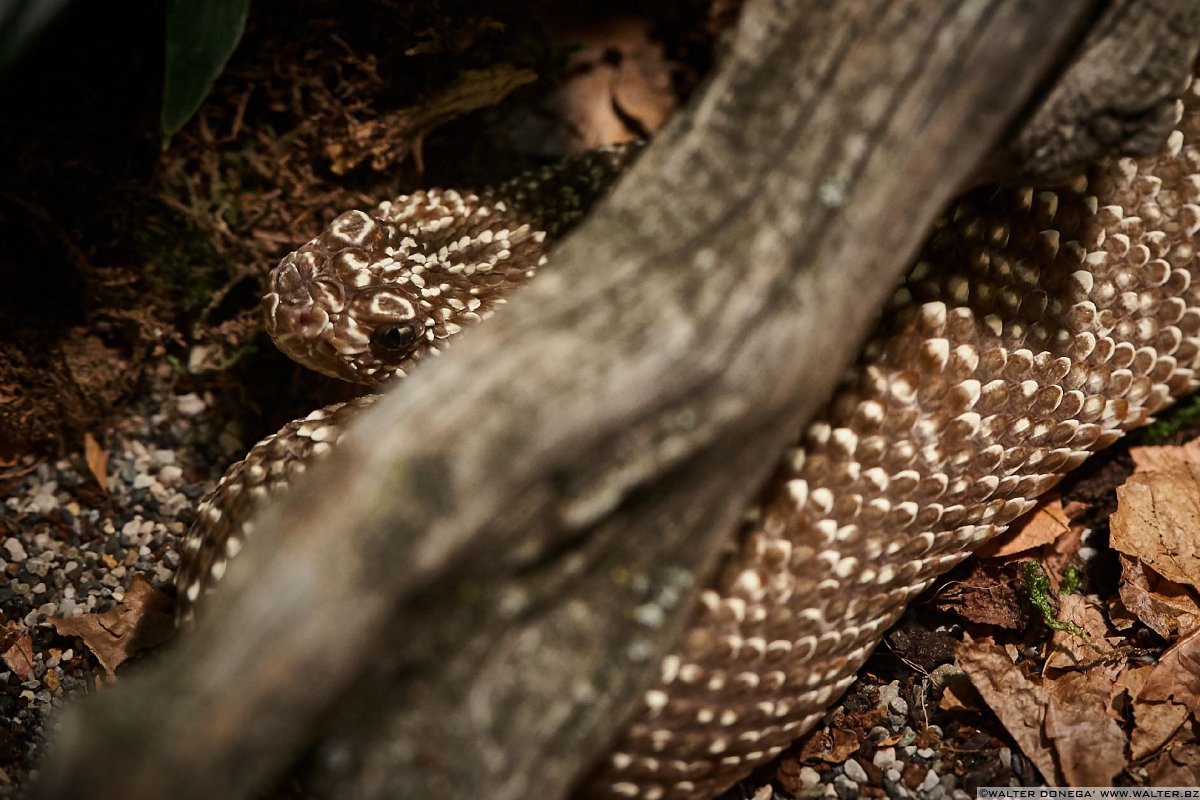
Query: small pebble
44	503
854	771
170	475
16	550
885	757
889	693
931	780
190	405
845	788
809	776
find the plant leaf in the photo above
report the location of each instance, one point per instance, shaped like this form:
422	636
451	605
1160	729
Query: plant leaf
21	22
201	35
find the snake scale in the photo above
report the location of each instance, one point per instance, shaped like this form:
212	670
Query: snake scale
1035	328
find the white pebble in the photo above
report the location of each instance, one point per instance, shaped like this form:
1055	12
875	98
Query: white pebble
44	503
189	404
170	475
16	550
931	780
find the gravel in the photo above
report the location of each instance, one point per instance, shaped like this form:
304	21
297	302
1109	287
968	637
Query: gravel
71	548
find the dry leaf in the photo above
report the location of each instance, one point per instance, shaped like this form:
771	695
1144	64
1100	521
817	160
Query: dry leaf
989	594
832	745
1040	527
1177	675
97	460
1080	723
1154	724
1069	649
144	619
1019	703
1158	512
1165	607
618	86
960	695
1151	459
16	650
1179	766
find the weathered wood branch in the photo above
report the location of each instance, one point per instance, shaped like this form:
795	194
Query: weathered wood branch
1118	94
475	588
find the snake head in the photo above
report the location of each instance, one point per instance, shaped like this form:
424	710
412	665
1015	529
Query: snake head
375	293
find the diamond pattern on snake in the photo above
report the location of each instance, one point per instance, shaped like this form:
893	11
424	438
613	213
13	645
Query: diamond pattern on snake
1036	328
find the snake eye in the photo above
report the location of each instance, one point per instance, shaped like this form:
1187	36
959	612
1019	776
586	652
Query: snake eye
394	339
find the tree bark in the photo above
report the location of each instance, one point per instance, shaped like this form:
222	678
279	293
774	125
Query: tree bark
468	597
1119	94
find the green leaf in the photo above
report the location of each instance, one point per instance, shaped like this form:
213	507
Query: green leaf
21	23
201	35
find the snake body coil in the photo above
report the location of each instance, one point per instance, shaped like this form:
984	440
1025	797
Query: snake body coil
1036	328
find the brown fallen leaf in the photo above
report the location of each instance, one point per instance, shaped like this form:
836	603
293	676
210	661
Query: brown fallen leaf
1179	766
1039	527
990	594
1165	607
1081	724
16	650
832	745
1150	459
1018	702
960	695
1154	723
97	460
142	620
1177	675
617	86
1158	512
1071	650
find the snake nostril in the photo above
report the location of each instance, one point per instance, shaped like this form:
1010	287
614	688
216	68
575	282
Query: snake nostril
307	321
287	282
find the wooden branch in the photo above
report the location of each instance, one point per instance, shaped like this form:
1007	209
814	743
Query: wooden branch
475	588
1119	95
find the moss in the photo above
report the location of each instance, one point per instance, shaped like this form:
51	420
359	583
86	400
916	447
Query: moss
1072	581
1184	415
1040	595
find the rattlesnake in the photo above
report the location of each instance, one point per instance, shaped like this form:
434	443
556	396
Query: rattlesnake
1035	328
